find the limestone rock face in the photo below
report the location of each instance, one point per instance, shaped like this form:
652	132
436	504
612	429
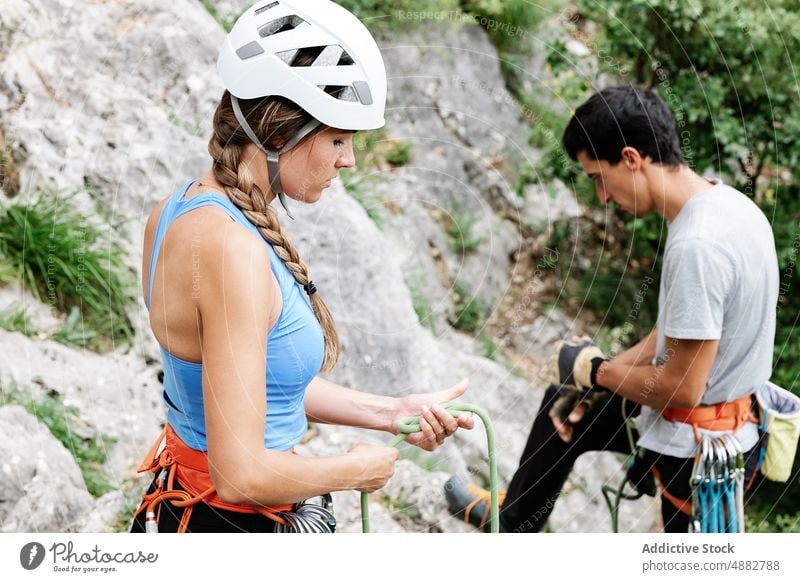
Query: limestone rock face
114	100
41	484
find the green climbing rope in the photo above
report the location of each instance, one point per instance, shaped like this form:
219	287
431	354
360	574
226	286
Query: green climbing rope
410	425
619	492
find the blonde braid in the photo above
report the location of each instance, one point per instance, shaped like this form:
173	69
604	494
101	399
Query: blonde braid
232	173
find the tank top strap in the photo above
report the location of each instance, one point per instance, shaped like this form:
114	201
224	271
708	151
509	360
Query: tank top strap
164	220
176	207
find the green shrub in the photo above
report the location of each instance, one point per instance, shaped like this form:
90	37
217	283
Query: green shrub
361	187
469	311
725	78
122	520
461	238
490	347
509	23
69	264
399	153
780	524
226	21
422	307
17	320
9	174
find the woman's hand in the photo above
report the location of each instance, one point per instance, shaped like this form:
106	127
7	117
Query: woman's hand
373	465
436	423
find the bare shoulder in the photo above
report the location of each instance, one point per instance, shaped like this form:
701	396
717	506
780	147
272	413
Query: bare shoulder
211	231
229	261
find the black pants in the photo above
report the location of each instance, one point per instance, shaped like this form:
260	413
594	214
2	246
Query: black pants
547	461
204	519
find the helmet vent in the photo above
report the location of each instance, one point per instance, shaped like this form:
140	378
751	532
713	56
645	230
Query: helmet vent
265	8
282	24
316	56
340	92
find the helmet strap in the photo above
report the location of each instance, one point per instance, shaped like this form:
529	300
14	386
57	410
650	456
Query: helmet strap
273	172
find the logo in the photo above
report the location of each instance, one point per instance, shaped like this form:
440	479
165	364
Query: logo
31	555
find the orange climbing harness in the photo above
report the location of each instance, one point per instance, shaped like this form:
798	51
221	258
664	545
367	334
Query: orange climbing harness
170	458
724	416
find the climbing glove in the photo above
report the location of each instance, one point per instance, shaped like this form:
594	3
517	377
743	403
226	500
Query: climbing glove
568	398
575	363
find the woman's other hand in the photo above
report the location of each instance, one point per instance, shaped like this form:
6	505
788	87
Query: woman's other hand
435	422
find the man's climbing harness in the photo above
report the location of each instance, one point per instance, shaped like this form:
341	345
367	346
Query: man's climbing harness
718	475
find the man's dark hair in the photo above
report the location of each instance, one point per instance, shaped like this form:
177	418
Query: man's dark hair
623	116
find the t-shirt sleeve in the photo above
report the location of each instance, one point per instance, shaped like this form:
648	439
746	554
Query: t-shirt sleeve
697	277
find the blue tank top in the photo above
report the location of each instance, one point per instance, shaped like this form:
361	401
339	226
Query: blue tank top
294	355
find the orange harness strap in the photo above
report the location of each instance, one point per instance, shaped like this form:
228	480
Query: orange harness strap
683	505
723	416
190	467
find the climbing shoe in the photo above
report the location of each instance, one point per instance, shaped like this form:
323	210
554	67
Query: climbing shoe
469	502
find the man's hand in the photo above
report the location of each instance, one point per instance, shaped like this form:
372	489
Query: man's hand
564	426
571	407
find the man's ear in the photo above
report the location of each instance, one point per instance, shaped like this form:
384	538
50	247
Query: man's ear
632	158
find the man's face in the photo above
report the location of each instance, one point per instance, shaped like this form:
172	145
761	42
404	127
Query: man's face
617	183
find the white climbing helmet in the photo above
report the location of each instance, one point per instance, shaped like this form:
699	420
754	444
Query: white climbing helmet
254	61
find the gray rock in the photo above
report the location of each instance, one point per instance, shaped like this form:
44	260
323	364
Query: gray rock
129	92
545	204
116	395
15	298
582	507
41	484
106	510
537	338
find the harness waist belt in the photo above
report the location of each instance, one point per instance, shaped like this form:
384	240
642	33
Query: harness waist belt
722	416
190	467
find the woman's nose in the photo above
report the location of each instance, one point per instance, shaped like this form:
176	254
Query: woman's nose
347	159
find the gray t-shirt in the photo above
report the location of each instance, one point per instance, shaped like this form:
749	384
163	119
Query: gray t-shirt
719	282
